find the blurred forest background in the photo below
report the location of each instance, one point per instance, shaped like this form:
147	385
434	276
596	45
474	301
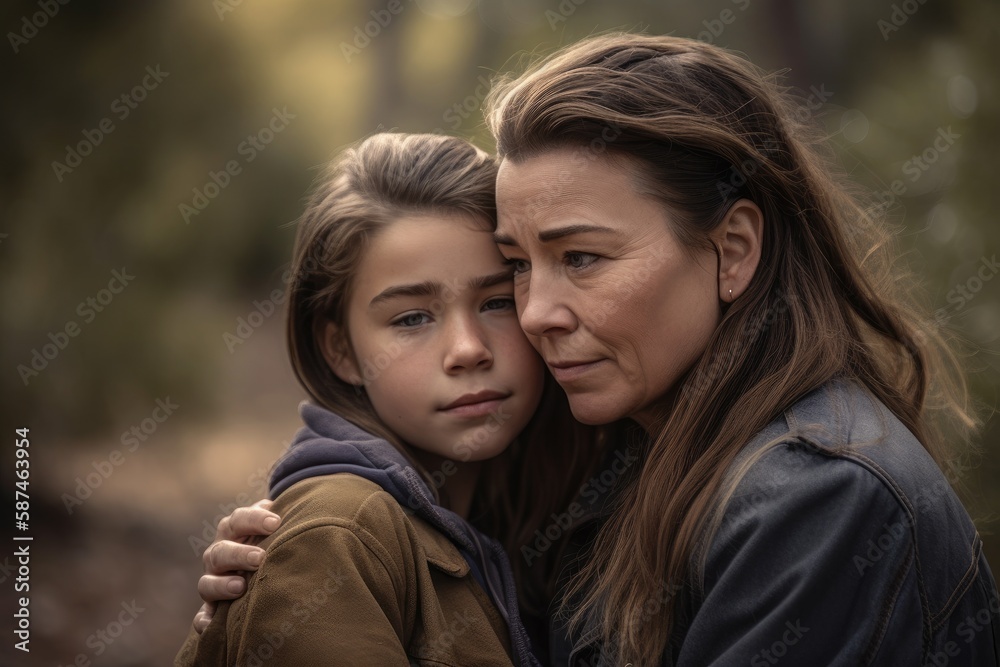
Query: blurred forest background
130	256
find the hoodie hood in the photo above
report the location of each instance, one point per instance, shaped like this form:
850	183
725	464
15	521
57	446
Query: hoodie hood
330	444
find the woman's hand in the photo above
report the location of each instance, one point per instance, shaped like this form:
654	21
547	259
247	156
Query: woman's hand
228	557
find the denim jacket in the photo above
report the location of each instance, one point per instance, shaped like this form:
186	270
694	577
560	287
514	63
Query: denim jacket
842	544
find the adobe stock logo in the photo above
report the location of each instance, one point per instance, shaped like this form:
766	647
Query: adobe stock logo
252	146
88	310
131	441
31	26
122	106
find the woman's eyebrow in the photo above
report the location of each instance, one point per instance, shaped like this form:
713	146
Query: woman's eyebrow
558	233
431	288
503	239
569	230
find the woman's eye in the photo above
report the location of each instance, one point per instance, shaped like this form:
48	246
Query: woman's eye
520	266
500	303
411	320
580	260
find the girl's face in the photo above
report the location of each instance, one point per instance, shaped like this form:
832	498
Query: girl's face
436	339
616	306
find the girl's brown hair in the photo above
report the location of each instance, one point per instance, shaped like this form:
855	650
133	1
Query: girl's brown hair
363	191
700	128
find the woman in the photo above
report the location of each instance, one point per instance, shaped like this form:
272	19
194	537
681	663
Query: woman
684	261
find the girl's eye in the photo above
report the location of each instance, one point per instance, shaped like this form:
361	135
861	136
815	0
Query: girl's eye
580	260
500	303
411	320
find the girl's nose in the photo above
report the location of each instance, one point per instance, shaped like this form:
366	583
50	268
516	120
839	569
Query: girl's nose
468	348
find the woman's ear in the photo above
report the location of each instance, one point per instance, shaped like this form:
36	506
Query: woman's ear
339	356
738	239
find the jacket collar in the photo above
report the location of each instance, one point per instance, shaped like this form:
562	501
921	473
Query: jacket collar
439	551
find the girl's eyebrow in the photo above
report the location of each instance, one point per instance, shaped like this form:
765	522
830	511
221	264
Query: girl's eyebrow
432	288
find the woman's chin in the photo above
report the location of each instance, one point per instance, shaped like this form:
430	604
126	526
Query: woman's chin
595	410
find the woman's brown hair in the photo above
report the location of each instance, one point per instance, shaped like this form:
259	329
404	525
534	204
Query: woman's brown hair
699	128
365	189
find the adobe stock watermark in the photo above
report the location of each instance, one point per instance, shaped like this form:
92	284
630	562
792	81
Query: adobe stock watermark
591	493
262	310
248	149
223	7
716	26
131	440
461	111
257	484
740	174
779	649
898	17
465	449
375	364
652	606
964	292
270	644
370	30
88	310
581	157
460	623
565	9
102	638
746	507
31	25
895	533
918	165
724	359
638	280
122	107
967	629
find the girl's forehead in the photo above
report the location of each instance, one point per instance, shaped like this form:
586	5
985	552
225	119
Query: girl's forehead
449	250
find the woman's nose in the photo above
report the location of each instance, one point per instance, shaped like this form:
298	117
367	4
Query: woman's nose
542	310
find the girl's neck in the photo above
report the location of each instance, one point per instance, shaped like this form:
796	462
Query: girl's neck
455	480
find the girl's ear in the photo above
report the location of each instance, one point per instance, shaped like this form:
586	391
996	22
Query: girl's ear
338	355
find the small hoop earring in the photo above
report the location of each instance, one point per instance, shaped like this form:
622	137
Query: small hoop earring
730	296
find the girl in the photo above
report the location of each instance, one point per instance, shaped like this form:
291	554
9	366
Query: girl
401	326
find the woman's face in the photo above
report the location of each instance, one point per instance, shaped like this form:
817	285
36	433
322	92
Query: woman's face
605	291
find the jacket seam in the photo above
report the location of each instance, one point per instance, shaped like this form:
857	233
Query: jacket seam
242	642
888	608
925	607
352	527
963	585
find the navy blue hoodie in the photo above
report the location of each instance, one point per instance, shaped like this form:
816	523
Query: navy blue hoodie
329	444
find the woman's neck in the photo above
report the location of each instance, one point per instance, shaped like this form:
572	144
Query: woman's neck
657	413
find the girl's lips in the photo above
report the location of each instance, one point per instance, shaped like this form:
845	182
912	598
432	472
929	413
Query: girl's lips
478	409
568	372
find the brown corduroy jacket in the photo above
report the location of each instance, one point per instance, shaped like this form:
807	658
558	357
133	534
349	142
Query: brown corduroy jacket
350	578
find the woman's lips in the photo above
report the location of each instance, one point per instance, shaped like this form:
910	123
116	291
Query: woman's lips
568	371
